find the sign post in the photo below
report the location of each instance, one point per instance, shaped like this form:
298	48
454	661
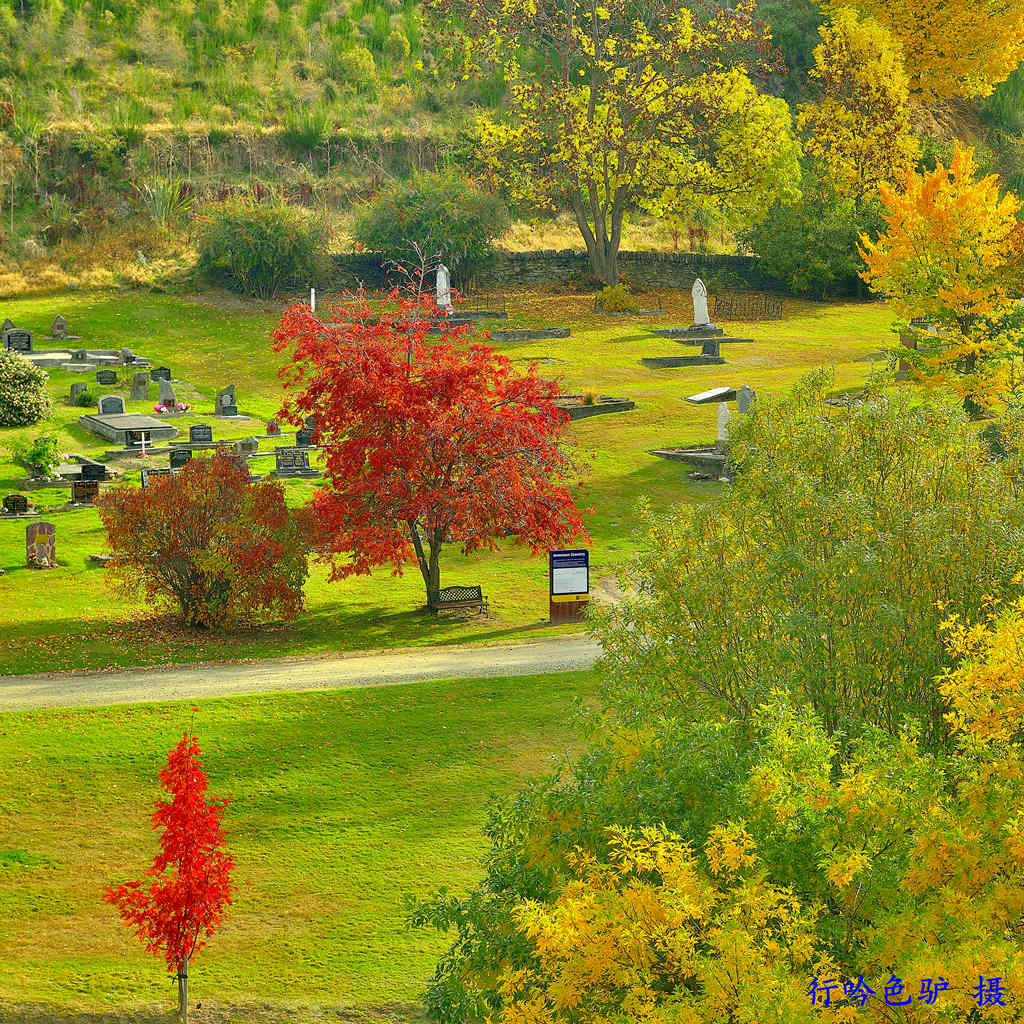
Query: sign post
568	584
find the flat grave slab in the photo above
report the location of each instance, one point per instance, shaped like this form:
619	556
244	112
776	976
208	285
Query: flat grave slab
577	410
671	362
117	427
712	396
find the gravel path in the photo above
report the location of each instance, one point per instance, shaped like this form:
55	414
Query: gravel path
131	686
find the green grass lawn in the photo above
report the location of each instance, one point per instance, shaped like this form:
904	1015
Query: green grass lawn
342	804
70	618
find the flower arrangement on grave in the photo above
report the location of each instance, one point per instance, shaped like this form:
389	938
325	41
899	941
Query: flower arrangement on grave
183	407
160	407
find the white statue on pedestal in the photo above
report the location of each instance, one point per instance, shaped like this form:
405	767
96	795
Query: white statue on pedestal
700	304
444	289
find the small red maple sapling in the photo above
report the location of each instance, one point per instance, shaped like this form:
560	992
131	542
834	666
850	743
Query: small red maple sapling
192	874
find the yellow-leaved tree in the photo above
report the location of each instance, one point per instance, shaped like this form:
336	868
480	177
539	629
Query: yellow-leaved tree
950	253
613	107
859	130
951	47
853	888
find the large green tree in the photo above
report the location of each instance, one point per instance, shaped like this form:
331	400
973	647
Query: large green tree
651	107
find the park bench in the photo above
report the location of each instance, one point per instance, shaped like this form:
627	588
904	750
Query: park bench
450	599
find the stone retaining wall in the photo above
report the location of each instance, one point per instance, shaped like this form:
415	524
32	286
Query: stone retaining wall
528	269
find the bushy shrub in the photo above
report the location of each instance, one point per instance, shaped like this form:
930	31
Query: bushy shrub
235	547
85	398
260	249
24	399
440	212
38	456
811	245
617	299
355	67
397	45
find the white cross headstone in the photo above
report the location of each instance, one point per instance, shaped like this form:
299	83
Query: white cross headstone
444	289
700	304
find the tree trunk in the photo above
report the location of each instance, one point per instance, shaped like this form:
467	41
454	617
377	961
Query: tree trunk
602	239
429	560
183	993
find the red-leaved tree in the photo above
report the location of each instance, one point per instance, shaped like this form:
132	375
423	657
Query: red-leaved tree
209	541
429	441
185	902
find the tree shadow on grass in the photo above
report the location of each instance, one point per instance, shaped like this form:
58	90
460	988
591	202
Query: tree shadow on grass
220	1013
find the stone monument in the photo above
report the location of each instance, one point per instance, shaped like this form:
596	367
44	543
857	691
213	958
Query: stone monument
444	289
226	402
41	546
746	399
167	396
110	405
722	444
140	387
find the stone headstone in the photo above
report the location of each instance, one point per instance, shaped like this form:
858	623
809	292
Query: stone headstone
247	446
160	373
93	471
84	492
444	289
167	396
272	428
700	304
140	387
179	456
292	462
111	405
6	326
80	355
59	328
15	504
226	402
723	427
77	388
41	546
200	433
106	377
746	399
304	438
311	421
127	356
17	340
148	474
710	347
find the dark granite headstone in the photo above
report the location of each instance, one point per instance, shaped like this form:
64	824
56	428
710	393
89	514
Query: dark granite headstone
106	377
80	355
160	373
179	456
200	433
59	328
226	402
303	438
17	340
84	492
310	421
111	405
15	504
93	471
291	461
148	474
710	347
